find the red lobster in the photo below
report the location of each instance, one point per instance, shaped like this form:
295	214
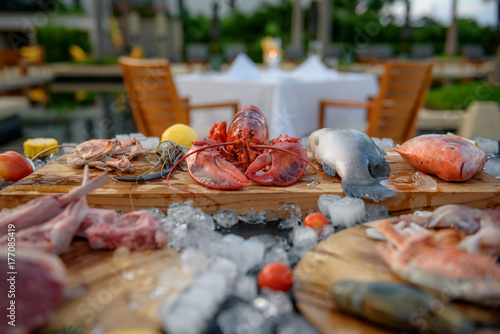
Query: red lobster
215	162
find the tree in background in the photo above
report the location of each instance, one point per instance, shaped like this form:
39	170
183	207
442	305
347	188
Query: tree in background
451	43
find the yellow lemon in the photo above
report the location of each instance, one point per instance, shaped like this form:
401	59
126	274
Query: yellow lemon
180	134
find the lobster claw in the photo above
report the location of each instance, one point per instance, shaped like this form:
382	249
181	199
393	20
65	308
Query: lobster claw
209	168
277	168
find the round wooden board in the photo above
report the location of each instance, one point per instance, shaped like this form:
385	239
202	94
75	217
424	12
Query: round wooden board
349	254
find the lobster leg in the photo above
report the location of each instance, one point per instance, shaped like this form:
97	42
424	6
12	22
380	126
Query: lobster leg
274	167
209	168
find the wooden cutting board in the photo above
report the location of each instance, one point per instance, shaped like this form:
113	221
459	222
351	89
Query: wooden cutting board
482	191
349	254
109	293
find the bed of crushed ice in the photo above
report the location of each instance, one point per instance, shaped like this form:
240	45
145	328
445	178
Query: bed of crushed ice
223	253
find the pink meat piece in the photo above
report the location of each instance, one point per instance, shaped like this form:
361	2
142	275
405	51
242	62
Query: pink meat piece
55	235
44	208
96	216
136	230
39	290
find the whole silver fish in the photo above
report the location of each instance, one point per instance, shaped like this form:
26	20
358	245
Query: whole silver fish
355	158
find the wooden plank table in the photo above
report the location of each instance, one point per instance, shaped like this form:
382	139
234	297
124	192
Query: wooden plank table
482	191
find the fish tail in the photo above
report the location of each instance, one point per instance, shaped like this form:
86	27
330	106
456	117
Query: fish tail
374	191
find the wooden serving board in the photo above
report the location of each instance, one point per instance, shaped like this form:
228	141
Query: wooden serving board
350	254
482	191
109	293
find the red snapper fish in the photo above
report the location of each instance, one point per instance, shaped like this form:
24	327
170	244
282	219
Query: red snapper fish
449	157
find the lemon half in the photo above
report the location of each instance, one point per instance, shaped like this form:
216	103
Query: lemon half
181	134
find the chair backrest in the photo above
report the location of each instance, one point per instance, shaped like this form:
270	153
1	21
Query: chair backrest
403	89
152	95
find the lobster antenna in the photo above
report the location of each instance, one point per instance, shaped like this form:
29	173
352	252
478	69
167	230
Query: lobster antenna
49	149
184	158
292	153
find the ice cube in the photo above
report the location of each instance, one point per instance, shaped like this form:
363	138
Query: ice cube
38	163
172	280
254	254
194	260
273	304
177	237
324	201
233	239
303	236
295	323
492	167
224	266
386	143
268	215
252	217
245	288
150	142
326	231
155	212
288	224
226	218
52	157
121	137
347	211
198	303
491	146
137	135
424	181
276	254
267	240
296	253
290	211
375	212
242	318
200	220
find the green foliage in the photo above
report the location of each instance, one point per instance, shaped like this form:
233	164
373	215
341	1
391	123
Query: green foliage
350	29
459	96
57	39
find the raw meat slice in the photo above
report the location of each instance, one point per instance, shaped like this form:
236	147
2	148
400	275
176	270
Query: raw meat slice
37	291
47	207
136	230
96	216
55	235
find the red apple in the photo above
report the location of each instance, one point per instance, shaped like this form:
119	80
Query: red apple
14	166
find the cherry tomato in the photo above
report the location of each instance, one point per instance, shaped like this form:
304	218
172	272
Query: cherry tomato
14	166
276	276
315	220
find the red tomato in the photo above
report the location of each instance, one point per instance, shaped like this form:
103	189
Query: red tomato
276	276
14	166
315	220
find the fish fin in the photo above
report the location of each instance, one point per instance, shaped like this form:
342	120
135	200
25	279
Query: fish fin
375	191
380	169
328	169
381	150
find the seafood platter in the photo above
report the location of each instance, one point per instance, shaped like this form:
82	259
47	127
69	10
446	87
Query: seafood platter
120	237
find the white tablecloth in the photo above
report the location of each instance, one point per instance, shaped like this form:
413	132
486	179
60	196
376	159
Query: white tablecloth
289	102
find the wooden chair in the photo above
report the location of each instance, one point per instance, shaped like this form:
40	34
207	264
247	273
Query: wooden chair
153	97
393	113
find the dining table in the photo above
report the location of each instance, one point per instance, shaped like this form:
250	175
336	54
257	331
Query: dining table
288	99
